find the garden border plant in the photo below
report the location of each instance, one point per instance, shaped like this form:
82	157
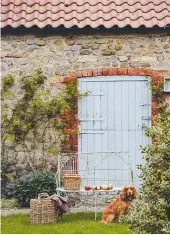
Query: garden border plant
30	185
150	214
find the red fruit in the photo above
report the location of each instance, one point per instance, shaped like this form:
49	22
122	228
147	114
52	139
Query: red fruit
87	187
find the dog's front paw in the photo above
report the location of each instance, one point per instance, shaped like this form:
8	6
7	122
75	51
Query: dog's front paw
103	222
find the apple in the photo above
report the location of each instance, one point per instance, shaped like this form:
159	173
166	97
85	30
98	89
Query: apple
93	187
111	186
98	187
87	187
105	187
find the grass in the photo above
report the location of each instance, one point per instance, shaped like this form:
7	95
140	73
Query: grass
81	222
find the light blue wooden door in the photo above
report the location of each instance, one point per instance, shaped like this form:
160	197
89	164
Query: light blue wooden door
110	132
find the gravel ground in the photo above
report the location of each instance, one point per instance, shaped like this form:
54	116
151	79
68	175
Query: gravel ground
13	211
5	212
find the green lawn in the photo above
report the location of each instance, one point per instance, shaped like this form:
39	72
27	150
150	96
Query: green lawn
82	222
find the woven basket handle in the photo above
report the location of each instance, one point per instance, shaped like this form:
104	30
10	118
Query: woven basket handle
43	195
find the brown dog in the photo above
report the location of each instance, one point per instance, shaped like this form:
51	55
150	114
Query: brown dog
119	205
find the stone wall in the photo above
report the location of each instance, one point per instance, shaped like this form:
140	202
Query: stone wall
71	53
57	55
90	199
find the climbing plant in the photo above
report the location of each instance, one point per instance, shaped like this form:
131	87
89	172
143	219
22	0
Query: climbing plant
150	213
157	91
36	123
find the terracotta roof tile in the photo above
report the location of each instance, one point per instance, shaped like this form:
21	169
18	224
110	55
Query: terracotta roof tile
81	13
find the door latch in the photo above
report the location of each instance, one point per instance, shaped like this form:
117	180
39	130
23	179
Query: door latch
144	105
146	118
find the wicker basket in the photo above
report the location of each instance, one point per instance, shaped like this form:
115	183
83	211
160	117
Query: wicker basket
72	181
42	210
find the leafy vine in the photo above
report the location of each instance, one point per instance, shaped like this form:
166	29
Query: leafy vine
157	91
36	119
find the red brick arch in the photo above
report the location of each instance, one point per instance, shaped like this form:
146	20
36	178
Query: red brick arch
156	75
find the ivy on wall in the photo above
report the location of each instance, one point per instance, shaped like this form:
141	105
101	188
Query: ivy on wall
157	88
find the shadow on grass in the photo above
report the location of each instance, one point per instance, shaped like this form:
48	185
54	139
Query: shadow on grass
82	216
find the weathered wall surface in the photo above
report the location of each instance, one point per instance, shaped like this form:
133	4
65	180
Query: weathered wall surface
72	53
57	55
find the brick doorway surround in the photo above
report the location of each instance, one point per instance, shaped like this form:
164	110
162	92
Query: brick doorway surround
156	75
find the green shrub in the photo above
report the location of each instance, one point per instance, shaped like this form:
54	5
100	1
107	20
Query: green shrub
29	186
9	203
150	213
